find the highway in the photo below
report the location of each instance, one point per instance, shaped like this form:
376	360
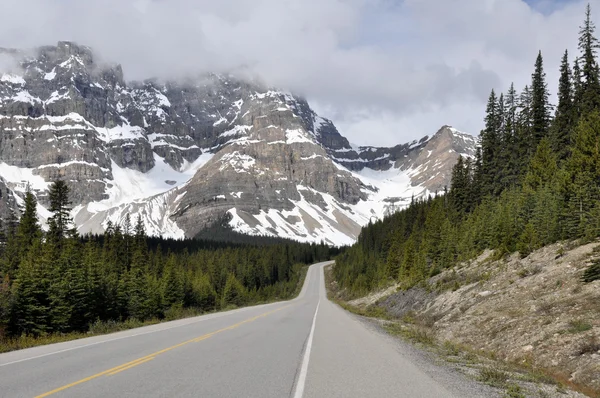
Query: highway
306	347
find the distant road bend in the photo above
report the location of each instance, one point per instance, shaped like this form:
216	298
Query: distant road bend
306	347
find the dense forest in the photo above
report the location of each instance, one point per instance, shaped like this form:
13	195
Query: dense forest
534	181
56	281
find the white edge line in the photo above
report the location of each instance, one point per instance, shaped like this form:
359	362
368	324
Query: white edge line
304	370
202	318
216	316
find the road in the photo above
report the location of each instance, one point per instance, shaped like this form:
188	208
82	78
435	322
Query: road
306	347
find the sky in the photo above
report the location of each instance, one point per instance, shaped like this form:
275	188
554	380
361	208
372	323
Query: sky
385	71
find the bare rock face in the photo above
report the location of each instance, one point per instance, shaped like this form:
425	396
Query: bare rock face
185	154
264	167
433	162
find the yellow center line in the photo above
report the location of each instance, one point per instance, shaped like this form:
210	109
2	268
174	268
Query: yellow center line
139	361
130	366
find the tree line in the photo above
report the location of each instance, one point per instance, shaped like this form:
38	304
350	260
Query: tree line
56	281
535	180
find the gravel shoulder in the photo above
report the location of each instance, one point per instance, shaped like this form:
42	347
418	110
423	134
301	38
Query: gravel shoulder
522	327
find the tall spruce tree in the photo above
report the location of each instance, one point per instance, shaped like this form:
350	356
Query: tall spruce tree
588	45
28	229
577	91
61	223
583	189
560	136
540	107
524	132
509	148
460	187
490	147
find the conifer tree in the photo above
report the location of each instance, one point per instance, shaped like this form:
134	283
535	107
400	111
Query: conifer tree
490	147
28	229
577	91
460	186
233	292
563	119
524	133
542	168
540	107
583	189
510	110
588	45
509	144
30	307
173	289
9	262
61	223
476	182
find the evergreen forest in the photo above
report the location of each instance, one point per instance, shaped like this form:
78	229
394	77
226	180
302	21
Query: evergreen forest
56	282
535	180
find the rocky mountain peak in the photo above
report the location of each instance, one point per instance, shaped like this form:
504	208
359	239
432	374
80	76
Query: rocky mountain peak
190	153
433	164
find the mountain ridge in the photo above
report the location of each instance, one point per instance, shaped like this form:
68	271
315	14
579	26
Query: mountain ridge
184	155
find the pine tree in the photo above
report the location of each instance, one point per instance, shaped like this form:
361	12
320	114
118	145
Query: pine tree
509	144
29	229
61	223
563	119
542	168
173	290
460	186
510	110
524	133
588	45
9	262
30	307
490	147
234	292
592	273
540	107
582	192
577	91
127	239
476	181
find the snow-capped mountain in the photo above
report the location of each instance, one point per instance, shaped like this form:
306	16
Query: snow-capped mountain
187	154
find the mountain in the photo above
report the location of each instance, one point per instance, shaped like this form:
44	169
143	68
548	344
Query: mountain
189	154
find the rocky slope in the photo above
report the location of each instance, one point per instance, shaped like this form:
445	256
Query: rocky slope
534	311
189	153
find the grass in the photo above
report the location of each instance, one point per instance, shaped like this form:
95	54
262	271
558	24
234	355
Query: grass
578	326
413	333
493	377
22	342
514	391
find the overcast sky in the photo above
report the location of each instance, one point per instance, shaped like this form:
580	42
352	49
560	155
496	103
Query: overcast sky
386	71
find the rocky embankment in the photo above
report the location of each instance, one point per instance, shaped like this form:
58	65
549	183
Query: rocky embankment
534	313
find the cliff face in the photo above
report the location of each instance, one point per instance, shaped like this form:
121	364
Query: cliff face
185	154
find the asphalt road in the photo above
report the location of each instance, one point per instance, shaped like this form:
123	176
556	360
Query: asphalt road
306	347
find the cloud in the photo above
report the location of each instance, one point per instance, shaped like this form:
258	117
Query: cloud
386	71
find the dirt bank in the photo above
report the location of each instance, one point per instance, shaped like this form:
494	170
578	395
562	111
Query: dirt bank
535	312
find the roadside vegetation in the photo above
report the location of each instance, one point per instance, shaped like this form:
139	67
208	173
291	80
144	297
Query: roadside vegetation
526	203
471	348
56	285
535	181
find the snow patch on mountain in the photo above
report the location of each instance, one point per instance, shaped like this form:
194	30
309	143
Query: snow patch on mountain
12	79
19	178
336	224
130	185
